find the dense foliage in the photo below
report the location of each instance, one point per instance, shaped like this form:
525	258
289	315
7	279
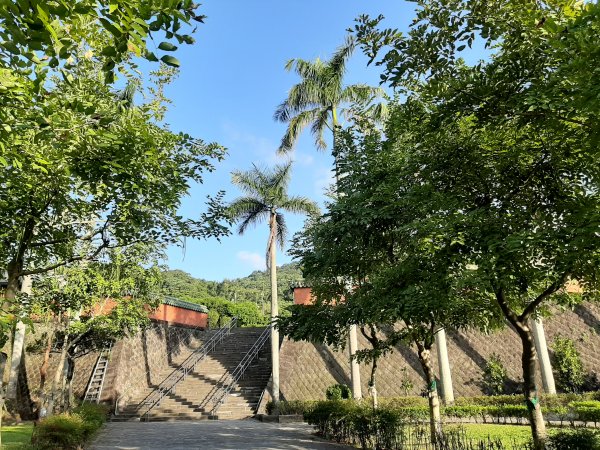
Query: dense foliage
567	365
495	376
482	197
252	288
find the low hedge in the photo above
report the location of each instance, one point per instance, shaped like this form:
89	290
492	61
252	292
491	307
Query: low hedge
563	407
357	423
69	430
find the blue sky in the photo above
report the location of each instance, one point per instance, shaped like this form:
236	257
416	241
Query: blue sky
231	81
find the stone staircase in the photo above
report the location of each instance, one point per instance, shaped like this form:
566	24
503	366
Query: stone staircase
191	399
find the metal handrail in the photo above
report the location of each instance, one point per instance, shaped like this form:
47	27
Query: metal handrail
190	332
168	384
238	372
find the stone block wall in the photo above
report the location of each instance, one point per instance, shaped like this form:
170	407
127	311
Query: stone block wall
308	369
135	363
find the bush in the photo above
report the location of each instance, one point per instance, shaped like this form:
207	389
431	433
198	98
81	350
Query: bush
70	431
494	376
338	392
64	431
568	366
93	415
577	439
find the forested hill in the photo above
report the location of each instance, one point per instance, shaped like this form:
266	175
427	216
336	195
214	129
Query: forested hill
254	288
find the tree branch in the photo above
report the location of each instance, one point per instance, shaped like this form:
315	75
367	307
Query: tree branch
540	298
508	313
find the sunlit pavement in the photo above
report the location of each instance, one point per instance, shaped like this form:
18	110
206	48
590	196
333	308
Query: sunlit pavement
223	434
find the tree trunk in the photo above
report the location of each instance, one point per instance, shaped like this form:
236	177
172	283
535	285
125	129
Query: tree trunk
435	417
58	377
528	362
372	386
274	308
42	397
17	348
69	398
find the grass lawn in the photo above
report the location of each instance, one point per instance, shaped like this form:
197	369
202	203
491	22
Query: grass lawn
510	435
16	436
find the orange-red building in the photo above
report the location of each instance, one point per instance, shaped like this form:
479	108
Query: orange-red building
171	311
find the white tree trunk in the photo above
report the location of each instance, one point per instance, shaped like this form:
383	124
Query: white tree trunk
17	349
539	337
274	311
444	365
354	366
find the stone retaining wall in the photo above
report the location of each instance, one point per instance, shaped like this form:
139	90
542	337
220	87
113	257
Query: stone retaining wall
308	369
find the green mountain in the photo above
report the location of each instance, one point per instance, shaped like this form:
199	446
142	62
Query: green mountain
254	288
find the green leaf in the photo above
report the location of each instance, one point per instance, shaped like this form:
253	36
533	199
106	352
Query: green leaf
170	61
167	46
150	56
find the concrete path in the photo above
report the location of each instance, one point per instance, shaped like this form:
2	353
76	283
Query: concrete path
218	434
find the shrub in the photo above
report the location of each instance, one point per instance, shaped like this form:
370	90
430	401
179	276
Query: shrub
70	431
65	431
338	392
494	376
568	366
576	439
93	415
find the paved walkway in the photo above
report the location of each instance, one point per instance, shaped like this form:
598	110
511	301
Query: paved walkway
218	434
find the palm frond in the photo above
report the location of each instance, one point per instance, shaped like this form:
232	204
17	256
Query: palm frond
295	127
307	70
361	94
280	179
318	128
245	181
338	61
300	205
282	230
247	211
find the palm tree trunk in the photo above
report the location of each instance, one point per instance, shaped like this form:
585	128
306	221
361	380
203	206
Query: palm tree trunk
353	330
274	309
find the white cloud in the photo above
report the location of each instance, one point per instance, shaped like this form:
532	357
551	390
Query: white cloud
263	148
254	260
303	159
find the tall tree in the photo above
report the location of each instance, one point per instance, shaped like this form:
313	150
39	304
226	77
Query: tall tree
317	101
265	199
97	172
400	285
508	147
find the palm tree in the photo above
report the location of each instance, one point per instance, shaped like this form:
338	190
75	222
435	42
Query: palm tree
316	99
265	197
315	102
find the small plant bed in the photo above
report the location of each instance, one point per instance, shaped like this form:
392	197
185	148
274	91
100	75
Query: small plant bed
16	436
